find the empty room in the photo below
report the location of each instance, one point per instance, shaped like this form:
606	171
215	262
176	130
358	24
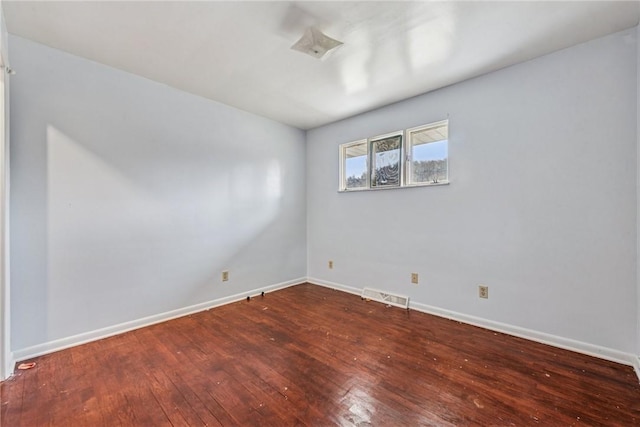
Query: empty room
319	213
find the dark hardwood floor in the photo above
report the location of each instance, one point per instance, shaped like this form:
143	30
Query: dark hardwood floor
308	355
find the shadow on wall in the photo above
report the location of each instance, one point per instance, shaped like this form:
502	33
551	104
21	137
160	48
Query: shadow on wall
141	234
129	198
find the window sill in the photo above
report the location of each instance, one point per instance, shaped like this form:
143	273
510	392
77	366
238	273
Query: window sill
358	190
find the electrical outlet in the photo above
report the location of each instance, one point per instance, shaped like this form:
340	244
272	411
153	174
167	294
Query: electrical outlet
225	276
330	264
414	278
483	291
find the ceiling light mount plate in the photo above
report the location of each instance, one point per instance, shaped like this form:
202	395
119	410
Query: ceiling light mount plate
315	43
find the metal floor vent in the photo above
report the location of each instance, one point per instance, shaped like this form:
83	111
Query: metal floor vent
386	298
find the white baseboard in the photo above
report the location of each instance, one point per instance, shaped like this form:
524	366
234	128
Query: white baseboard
9	364
336	286
541	337
85	337
556	341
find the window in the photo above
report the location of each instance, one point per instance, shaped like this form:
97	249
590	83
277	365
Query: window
417	156
385	161
354	165
428	154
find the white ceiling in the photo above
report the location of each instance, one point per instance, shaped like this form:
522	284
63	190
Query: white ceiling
238	53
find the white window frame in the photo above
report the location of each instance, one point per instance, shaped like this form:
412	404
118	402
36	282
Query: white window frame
406	166
343	165
370	160
409	151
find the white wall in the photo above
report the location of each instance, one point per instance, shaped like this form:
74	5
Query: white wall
129	198
638	194
541	206
6	358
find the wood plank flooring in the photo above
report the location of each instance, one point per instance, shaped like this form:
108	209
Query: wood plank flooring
308	355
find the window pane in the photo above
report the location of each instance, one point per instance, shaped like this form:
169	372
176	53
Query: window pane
429	155
355	157
385	153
